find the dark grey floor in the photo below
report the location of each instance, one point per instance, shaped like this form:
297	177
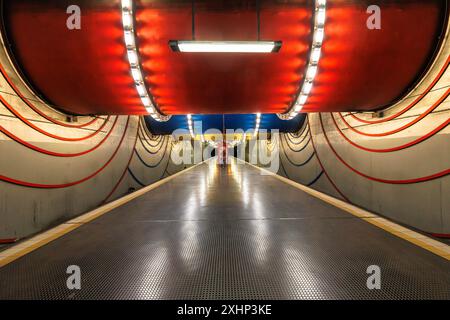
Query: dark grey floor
227	233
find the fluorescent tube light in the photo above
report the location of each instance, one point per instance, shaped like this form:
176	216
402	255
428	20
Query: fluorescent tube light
225	46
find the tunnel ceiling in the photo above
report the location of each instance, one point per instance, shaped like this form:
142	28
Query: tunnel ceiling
86	71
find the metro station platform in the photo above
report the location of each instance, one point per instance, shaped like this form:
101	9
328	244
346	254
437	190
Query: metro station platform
229	232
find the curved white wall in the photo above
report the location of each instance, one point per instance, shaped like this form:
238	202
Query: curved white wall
398	166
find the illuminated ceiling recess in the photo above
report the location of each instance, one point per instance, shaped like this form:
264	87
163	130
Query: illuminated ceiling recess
133	59
311	71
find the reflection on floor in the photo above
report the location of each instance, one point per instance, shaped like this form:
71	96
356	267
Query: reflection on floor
227	232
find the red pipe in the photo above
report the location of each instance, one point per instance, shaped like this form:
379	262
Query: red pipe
406	181
404	146
69	184
420	97
57	154
8	241
441	235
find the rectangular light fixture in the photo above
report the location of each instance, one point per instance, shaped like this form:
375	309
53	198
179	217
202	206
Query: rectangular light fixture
225	46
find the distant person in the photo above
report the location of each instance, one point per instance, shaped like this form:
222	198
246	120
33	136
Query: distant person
222	152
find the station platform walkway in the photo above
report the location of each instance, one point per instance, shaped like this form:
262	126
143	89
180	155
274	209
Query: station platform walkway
227	233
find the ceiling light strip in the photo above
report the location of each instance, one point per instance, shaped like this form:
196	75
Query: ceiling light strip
133	59
311	71
225	46
190	126
257	125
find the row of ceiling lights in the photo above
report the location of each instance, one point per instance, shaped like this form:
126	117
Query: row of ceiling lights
316	48
190	126
133	59
258	122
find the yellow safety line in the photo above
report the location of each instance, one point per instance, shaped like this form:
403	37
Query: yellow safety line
9	255
436	247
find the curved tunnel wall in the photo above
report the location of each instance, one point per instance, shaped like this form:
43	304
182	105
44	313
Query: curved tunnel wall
395	163
52	170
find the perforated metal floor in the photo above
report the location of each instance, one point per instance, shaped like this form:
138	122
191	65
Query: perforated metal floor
227	233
